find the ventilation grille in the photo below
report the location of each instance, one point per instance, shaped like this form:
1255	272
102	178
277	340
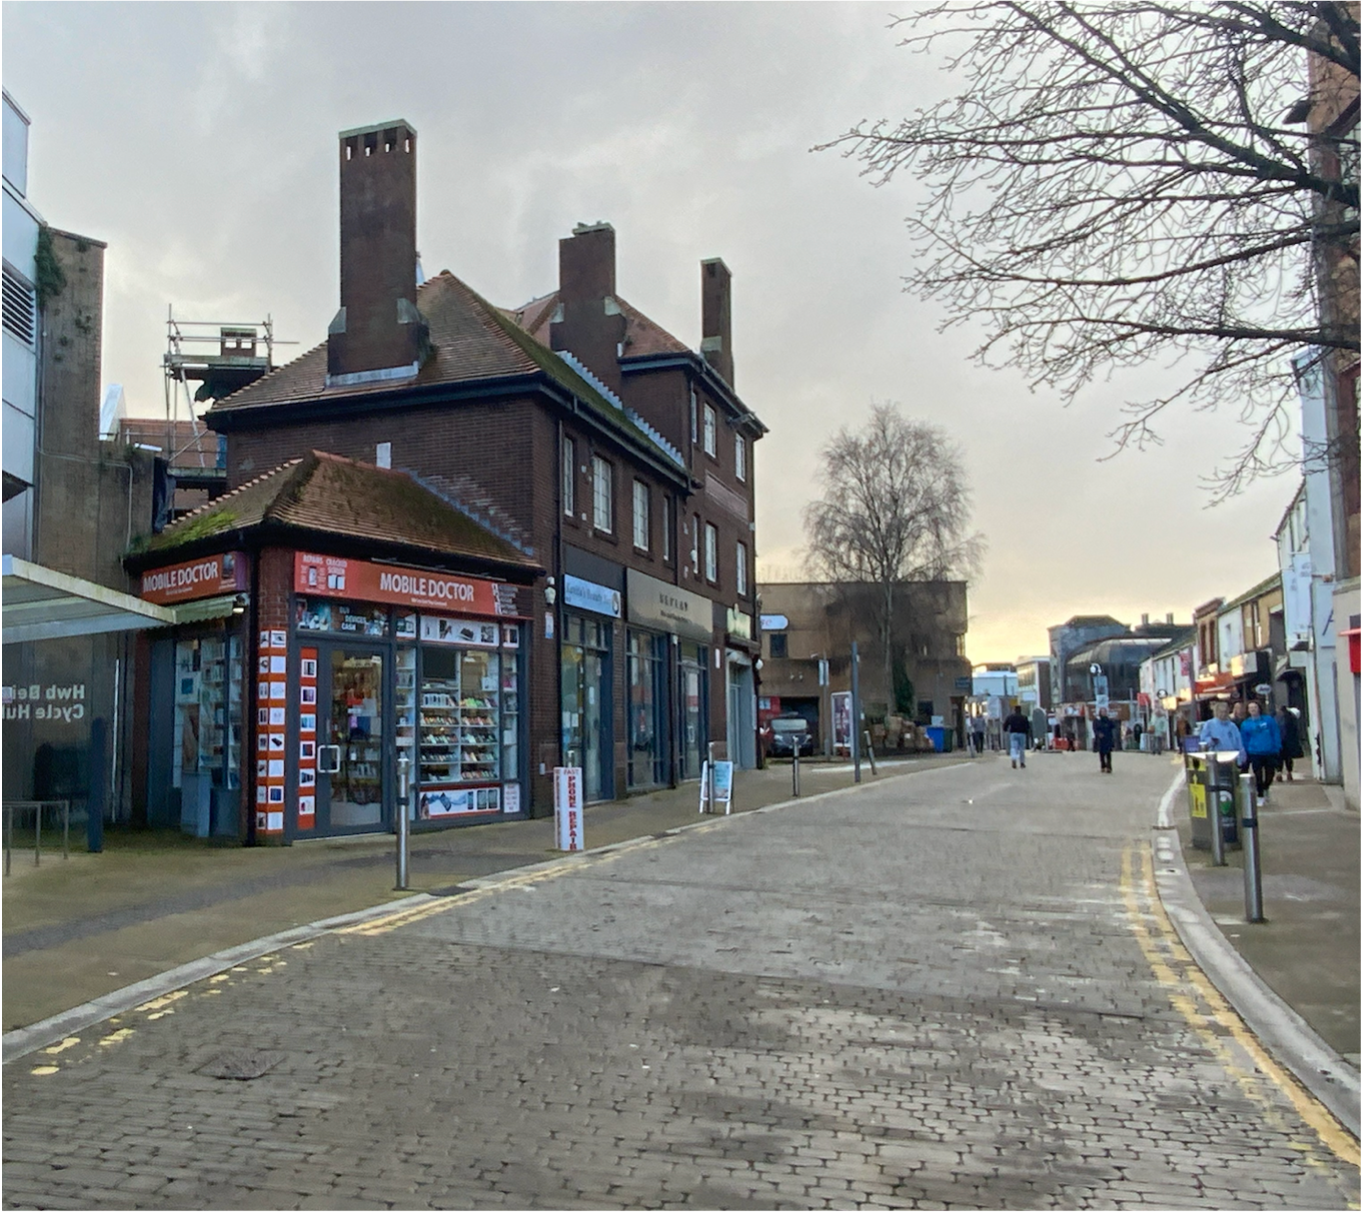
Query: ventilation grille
20	308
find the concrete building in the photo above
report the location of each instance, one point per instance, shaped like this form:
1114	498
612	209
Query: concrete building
72	505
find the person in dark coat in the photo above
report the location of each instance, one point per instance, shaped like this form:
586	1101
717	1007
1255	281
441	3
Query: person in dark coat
1104	729
1291	742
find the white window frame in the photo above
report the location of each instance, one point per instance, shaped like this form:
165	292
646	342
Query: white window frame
712	553
603	515
640	515
567	471
667	530
741	458
708	430
741	568
696	545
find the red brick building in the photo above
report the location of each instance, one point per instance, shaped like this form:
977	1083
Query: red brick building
613	464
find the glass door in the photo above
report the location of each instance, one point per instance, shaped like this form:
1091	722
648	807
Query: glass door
350	778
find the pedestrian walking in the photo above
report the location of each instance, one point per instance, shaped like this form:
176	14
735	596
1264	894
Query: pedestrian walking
1016	727
1220	733
979	733
1105	728
1291	741
1261	738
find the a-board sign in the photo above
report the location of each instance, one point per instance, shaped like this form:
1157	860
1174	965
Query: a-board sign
569	809
724	786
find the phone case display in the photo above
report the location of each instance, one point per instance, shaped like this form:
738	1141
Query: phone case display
511	716
405	710
270	699
468	712
308	738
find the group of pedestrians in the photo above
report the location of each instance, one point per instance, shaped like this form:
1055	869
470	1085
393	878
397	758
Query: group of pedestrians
1264	746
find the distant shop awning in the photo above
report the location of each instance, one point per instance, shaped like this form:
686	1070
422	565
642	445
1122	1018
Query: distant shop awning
39	604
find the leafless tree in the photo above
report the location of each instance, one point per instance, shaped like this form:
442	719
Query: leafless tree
895	507
1118	183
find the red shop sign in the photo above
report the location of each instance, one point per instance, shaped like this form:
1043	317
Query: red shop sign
343	577
216	575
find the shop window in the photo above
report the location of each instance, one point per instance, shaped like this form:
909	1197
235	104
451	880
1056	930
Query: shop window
640	515
741	568
469	727
566	475
741	459
712	553
207	745
709	430
601	495
777	645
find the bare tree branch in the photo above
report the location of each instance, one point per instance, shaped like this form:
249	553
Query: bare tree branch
1117	183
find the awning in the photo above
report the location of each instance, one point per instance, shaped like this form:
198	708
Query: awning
39	603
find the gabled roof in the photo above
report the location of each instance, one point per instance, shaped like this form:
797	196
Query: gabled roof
643	336
471	342
325	494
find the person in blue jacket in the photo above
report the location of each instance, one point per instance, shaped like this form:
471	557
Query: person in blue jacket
1261	738
1220	733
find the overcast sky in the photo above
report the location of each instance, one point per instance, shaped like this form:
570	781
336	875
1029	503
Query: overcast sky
199	141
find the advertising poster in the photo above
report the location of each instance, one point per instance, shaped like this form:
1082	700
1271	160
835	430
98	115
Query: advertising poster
725	783
569	809
308	684
270	767
841	706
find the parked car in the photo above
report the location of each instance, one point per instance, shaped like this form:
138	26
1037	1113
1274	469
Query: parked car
790	736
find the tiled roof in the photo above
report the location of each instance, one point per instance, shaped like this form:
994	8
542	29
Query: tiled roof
643	336
471	340
331	494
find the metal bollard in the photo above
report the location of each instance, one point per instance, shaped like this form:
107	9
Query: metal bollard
1251	853
796	772
1215	816
402	824
871	758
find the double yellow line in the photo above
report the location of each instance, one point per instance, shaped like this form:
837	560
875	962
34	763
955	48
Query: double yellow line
1177	972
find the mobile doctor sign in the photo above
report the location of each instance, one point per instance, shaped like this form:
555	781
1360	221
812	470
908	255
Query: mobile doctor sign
569	809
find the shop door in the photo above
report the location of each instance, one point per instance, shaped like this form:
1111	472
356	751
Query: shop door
692	719
586	708
351	741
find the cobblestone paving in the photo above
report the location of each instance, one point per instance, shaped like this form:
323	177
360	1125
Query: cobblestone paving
867	1002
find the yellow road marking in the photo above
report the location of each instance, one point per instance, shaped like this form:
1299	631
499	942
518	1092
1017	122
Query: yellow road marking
162	1001
1176	971
44	1070
58	1048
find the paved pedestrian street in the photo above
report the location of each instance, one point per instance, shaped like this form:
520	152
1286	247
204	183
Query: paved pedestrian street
955	989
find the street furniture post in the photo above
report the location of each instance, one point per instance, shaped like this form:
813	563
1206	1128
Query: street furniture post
1251	853
856	716
1215	812
403	762
796	771
871	755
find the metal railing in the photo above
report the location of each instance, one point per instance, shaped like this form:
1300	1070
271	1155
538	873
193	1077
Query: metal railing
37	808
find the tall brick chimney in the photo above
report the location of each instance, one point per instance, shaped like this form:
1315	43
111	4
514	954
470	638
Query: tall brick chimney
378	334
588	323
715	319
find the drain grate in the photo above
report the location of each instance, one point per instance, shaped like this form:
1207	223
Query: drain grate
242	1065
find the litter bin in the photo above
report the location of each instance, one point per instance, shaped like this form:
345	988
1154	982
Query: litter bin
935	736
1211	778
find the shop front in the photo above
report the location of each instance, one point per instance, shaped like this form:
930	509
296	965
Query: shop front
741	689
326	676
395	676
670	632
587	729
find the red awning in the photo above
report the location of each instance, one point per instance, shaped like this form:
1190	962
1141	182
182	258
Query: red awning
1352	637
1215	685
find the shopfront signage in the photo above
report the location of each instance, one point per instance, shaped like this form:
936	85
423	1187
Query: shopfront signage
317	574
663	606
205	576
770	621
593	597
739	624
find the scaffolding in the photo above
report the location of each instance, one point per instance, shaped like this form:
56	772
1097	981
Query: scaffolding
245	352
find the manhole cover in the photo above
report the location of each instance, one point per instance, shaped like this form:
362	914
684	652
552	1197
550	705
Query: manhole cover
242	1065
